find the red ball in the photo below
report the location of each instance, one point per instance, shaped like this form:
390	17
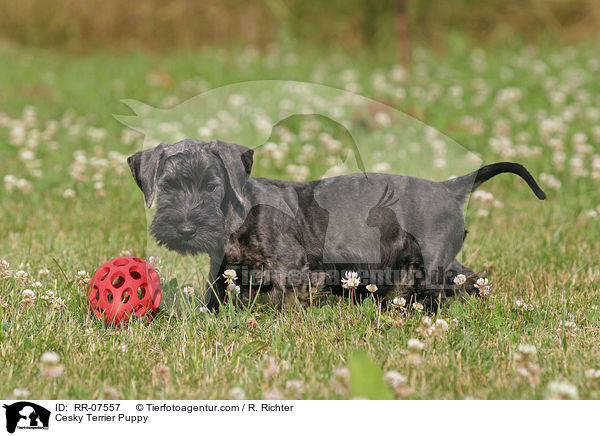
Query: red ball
124	287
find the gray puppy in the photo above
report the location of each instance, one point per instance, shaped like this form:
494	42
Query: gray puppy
400	233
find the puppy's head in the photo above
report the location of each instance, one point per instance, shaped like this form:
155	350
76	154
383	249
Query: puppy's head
197	185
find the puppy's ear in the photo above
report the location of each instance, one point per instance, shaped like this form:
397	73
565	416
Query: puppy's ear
237	161
145	169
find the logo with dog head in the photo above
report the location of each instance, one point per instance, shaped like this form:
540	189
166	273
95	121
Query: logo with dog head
26	415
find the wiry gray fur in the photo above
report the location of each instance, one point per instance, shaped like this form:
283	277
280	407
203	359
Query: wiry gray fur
308	232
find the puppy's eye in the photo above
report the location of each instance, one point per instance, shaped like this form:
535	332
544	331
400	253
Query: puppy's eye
211	187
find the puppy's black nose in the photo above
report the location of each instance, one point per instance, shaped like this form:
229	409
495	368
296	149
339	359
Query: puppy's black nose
186	231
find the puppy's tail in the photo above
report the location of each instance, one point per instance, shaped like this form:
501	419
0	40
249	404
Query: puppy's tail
462	186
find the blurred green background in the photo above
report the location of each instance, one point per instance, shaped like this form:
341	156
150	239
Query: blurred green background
508	80
383	24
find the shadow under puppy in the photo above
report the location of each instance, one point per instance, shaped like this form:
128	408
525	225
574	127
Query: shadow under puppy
398	232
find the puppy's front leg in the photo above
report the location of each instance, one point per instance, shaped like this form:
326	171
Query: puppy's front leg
471	278
291	273
215	288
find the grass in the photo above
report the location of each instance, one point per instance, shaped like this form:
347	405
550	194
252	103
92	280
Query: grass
542	253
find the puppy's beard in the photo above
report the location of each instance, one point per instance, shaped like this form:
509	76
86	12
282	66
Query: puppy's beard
209	237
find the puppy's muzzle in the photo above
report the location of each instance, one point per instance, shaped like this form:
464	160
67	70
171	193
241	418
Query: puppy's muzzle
186	231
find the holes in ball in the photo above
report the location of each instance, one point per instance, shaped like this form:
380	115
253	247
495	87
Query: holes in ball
139	310
153	275
141	292
120	262
135	273
104	273
95	294
109	296
126	295
118	280
138	260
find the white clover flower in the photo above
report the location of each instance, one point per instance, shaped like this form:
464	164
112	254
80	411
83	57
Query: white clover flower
50	358
592	214
418	307
237	393
230	276
562	390
394	379
527	349
21	393
442	325
82	277
233	289
269	149
382	167
25	186
125	253
426	321
21	276
97	134
482	195
425	330
524	307
592	373
415	344
482	281
26	155
484	286
460	279
308	152
550	181
28	294
273	395
188	291
569	324
43	272
351	281
10	182
155	262
58	303
399	302
294	387
398	73
382	119
569	328
341	373
236	100
298	173
5	273
371	288
68	193
579	138
270	368
27	302
48	296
